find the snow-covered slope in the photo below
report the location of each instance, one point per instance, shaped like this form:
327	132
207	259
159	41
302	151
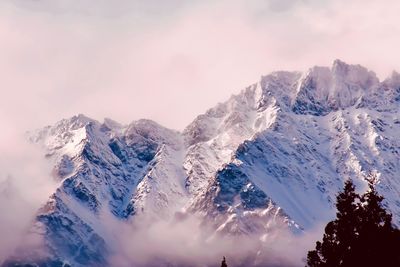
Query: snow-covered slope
275	154
320	128
106	168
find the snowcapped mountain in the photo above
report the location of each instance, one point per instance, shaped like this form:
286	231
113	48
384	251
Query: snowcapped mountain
275	154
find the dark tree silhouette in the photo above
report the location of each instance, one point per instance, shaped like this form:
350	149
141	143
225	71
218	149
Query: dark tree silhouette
223	264
361	235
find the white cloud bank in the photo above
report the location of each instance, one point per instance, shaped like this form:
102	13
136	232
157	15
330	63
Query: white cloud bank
188	242
25	185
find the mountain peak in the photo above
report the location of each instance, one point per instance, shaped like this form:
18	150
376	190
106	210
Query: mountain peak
355	74
112	124
393	80
151	130
339	65
324	89
80	118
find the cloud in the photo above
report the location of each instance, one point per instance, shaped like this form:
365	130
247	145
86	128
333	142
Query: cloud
25	185
188	242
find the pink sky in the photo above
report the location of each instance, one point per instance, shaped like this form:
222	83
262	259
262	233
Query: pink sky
169	62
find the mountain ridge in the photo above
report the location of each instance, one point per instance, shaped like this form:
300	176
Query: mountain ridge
274	154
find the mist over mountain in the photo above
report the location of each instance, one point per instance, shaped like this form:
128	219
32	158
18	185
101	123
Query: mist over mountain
253	178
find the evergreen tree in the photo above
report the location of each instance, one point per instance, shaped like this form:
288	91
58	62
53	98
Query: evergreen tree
378	242
361	235
223	264
338	233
